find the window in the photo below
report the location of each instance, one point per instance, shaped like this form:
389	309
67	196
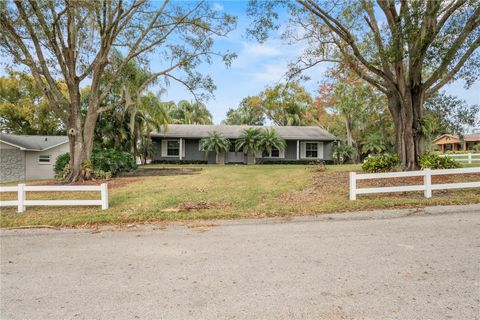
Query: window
274	153
173	148
232	146
311	150
44	159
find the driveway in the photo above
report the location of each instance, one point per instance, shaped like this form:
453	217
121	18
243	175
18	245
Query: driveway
410	267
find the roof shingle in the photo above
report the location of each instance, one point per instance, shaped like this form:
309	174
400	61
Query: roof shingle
233	131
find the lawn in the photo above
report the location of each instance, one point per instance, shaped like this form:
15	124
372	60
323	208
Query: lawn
221	192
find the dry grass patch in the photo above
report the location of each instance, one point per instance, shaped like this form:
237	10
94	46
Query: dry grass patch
227	192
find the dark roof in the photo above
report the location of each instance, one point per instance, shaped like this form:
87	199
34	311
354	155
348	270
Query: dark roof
232	132
33	143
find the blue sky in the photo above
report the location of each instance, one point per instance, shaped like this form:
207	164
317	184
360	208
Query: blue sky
261	65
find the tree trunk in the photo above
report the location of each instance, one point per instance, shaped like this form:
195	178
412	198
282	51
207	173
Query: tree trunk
75	137
89	132
406	114
221	158
251	157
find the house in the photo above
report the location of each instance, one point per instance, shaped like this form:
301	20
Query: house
450	142
25	158
182	143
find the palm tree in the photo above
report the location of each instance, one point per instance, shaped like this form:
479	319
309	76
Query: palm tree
152	114
342	152
191	113
271	140
215	142
374	144
249	143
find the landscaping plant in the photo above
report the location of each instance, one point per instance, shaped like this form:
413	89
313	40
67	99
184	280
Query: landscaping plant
249	142
433	160
105	163
271	140
216	142
380	163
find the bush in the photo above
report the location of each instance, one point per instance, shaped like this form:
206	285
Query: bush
283	161
381	163
434	161
113	160
105	163
174	161
60	163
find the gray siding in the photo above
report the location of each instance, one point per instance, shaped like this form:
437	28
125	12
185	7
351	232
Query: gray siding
327	150
192	151
191	146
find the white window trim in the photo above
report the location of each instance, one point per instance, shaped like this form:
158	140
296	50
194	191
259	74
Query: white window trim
303	148
165	148
44	162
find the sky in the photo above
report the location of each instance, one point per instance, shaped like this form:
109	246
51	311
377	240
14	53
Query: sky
260	65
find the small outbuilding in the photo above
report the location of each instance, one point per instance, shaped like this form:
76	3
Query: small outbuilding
24	158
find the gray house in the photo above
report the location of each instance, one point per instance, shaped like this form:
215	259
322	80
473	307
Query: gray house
25	158
182	143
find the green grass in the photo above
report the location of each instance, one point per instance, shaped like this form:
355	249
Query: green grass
224	192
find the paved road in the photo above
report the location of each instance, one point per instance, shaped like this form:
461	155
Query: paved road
416	267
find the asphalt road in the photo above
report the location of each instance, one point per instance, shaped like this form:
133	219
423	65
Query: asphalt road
414	267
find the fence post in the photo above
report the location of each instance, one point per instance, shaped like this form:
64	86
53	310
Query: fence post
104	194
469	157
427	180
21	197
353	186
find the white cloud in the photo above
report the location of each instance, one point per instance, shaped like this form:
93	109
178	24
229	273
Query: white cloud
217	7
260	50
268	73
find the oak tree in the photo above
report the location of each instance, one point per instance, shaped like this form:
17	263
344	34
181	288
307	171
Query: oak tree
406	49
73	41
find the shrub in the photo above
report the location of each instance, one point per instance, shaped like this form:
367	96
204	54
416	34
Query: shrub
434	161
105	163
113	160
176	161
60	163
380	163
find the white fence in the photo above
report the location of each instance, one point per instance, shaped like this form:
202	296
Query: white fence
463	157
426	187
22	201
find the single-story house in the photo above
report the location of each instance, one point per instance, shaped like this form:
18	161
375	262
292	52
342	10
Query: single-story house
24	158
182	143
451	142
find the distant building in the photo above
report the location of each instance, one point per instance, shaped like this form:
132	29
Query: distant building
24	158
451	142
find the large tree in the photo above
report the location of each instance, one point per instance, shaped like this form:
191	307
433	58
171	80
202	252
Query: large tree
24	108
248	112
286	104
406	49
73	41
186	112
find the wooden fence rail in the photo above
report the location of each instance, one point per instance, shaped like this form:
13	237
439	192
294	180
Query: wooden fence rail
22	201
426	187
